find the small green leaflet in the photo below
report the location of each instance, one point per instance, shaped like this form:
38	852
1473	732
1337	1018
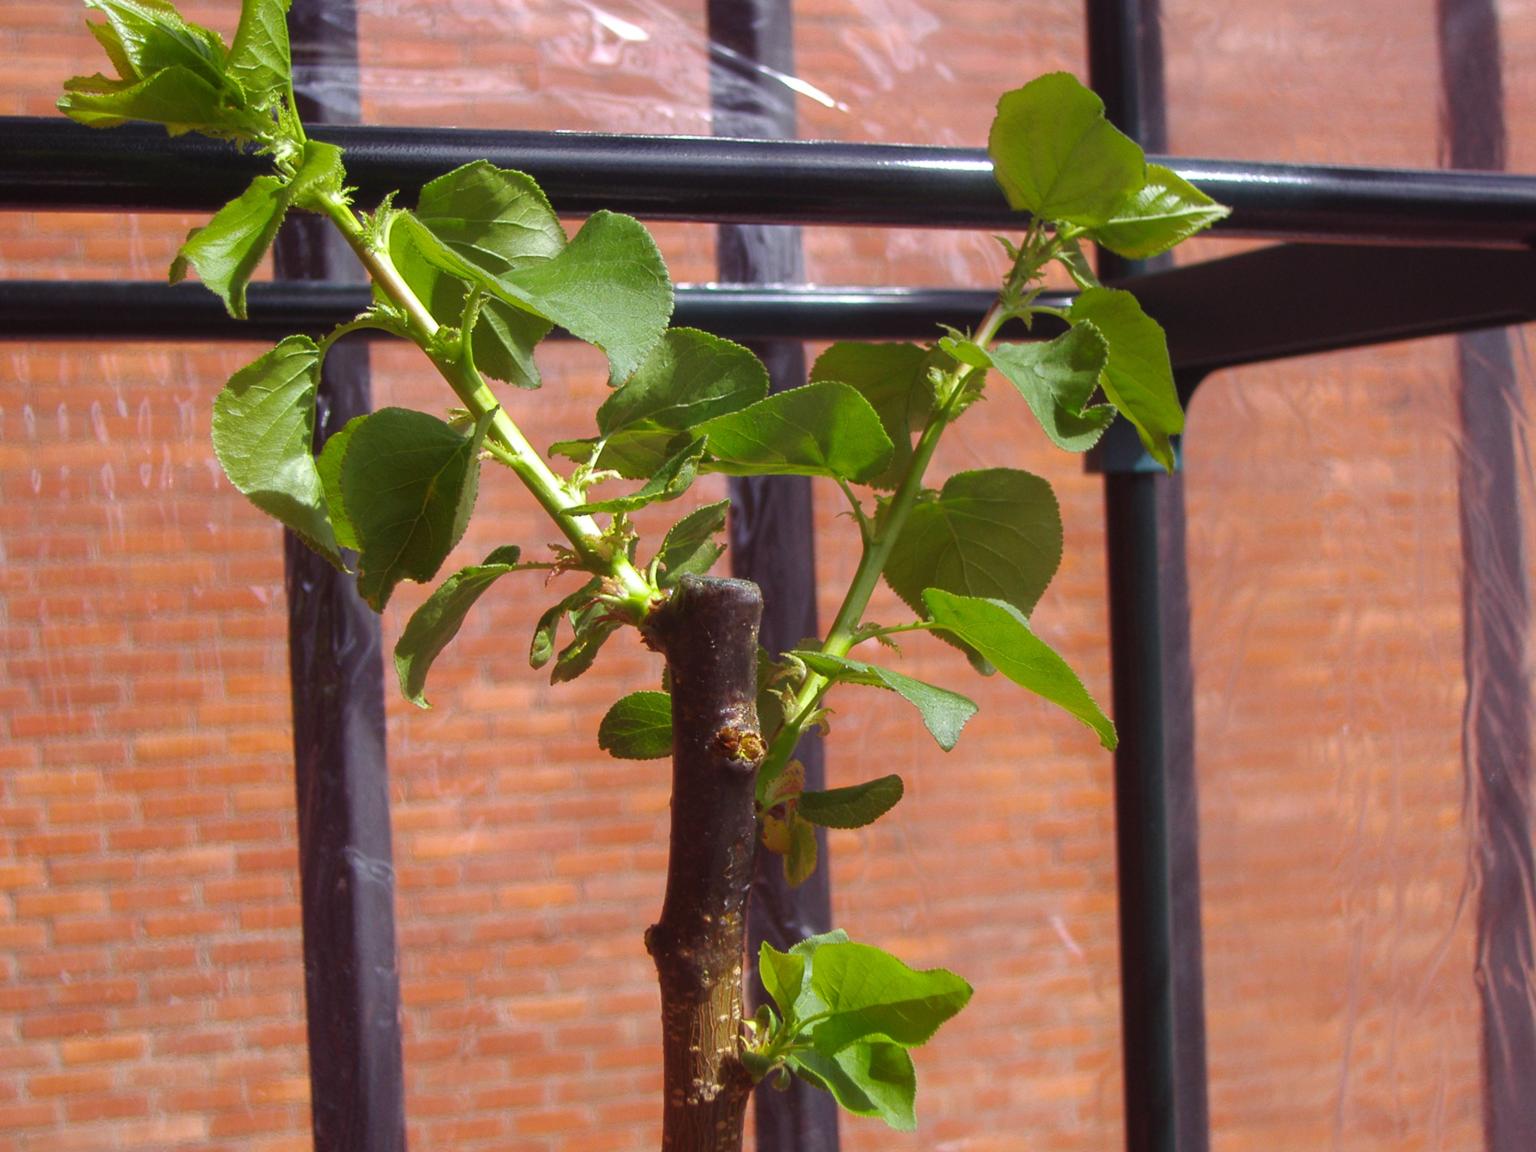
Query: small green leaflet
228	248
409	483
495	218
259	57
894	379
822	429
592	626
944	712
994	532
689	545
1057	380
867	1078
1002	635
801	854
671	480
1057	157
548	627
263	431
1166	211
434	625
783	974
1139	377
855	806
143	37
638	727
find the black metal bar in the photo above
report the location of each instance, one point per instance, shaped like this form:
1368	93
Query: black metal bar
1496	617
351	977
772	530
1156	810
53	164
129	310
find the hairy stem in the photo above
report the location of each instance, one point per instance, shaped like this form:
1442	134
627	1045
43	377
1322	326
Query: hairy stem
504	439
708	633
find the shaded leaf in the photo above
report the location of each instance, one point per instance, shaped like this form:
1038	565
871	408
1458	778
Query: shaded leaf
1001	634
434	625
263	430
1056	156
592	626
409	483
944	712
1057	379
689	546
993	533
1138	378
638	727
175	97
800	859
855	806
868	1078
329	465
894	379
671	480
822	429
547	629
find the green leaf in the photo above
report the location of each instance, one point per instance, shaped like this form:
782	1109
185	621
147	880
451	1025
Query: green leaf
176	97
995	533
259	57
437	621
609	287
505	335
638	727
329	465
687	377
592	626
1002	635
944	712
1057	379
822	429
1139	377
894	379
867	1078
689	545
146	36
228	248
409	482
855	806
320	173
547	629
1057	157
1166	211
671	480
783	975
495	218
263	430
871	994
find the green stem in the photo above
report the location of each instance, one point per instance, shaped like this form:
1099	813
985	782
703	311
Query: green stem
843	634
504	439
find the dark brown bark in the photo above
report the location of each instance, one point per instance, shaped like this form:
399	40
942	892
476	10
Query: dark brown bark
708	634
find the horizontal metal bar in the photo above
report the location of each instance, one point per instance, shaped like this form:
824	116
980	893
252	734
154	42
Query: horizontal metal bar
113	310
51	163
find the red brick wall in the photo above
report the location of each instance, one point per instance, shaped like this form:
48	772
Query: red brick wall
150	981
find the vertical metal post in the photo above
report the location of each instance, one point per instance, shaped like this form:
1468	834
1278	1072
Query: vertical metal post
1156	813
351	978
751	48
1496	618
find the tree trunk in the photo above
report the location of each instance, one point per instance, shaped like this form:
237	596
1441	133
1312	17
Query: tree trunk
708	634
